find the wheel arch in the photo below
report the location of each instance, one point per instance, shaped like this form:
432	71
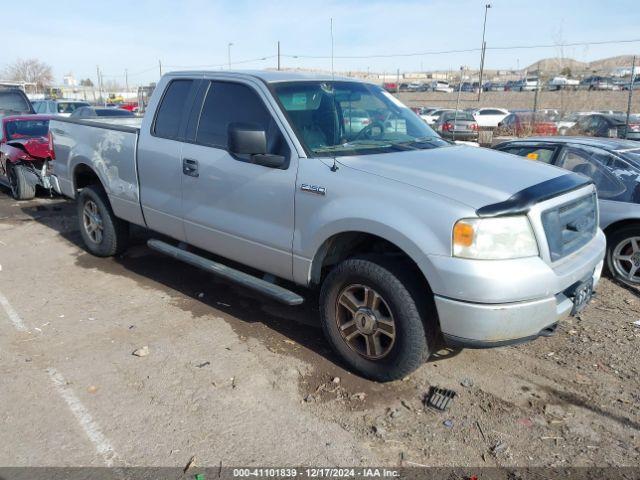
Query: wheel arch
84	175
618	224
350	243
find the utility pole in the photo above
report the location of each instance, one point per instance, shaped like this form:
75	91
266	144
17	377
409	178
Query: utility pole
126	79
99	83
455	114
535	102
278	54
331	26
229	45
483	49
631	82
160	67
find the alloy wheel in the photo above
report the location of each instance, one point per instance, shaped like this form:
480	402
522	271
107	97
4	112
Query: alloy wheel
365	321
626	259
92	221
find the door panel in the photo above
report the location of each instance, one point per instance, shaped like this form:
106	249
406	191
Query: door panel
160	160
239	210
235	208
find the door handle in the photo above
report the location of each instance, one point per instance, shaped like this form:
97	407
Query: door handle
190	167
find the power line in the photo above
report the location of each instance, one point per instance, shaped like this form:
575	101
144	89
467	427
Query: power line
468	50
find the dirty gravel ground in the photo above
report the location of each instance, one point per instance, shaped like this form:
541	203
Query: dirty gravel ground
234	378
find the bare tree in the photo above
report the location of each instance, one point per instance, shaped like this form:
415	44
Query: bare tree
86	82
31	70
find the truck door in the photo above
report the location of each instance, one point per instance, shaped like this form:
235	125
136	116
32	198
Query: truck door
160	160
232	207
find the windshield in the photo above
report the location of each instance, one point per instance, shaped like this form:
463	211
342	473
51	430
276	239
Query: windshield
351	118
69	107
27	129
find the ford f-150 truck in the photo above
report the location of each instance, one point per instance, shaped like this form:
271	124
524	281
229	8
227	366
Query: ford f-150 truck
409	239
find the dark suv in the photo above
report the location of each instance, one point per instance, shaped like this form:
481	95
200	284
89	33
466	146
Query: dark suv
14	101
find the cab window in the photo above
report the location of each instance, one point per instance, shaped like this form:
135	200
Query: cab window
599	166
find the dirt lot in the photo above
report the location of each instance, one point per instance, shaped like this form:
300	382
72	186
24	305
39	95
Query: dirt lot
233	378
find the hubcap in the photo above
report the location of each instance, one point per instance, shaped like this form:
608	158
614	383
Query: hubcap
92	221
365	321
626	259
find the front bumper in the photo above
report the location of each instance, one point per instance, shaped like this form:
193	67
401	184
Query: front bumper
474	324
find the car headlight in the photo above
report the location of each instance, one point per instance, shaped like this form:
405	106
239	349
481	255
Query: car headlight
494	238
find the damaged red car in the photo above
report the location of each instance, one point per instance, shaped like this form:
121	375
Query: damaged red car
25	152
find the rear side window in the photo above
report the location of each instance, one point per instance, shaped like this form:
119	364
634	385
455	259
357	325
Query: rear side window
228	103
14	101
172	107
540	154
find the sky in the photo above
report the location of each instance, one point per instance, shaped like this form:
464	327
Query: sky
76	36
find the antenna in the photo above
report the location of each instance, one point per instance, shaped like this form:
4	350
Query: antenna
331	47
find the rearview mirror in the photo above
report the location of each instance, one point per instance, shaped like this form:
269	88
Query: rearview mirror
246	140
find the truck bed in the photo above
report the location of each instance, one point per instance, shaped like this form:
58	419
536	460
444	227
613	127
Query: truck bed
108	147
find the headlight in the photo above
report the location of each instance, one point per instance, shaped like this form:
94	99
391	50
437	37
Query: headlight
494	238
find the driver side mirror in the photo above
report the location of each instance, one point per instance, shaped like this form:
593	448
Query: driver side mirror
251	141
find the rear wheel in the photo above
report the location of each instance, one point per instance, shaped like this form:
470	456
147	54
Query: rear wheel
372	315
623	255
103	233
21	188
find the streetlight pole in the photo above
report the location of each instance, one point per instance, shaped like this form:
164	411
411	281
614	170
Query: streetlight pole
229	45
483	49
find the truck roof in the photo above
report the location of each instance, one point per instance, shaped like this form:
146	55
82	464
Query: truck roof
267	76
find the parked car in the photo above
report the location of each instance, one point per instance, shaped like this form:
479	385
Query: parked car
528	84
257	168
614	167
603	125
563	83
92	112
355	120
25	152
417	87
526	123
494	87
489	117
457	126
568	120
58	107
433	116
440	86
14	101
597	82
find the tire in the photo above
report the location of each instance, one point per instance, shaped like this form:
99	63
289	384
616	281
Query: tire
400	300
624	242
104	234
21	188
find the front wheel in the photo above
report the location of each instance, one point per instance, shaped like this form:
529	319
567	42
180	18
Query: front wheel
372	315
623	255
103	233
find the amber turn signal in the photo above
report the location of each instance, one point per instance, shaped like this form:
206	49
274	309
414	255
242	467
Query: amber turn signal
463	234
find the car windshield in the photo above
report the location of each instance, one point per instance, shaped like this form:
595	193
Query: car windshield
12	102
69	107
27	129
317	112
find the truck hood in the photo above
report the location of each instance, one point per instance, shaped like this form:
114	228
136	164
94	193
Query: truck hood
474	176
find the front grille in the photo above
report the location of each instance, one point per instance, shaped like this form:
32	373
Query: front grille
570	226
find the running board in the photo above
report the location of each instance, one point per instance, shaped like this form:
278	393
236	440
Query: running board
266	288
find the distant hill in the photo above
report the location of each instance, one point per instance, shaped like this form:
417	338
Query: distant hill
602	65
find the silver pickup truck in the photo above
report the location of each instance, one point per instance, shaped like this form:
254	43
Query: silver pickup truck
333	184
